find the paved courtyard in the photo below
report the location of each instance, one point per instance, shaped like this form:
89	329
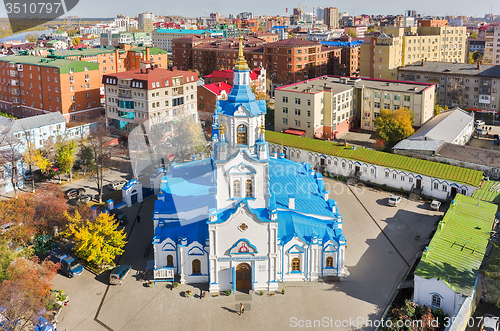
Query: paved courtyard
381	245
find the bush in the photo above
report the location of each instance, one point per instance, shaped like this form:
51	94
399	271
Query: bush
228	293
261	293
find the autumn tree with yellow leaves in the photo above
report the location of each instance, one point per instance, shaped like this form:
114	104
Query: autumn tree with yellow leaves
394	126
97	241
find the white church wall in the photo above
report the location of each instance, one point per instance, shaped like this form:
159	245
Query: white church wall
399	179
425	288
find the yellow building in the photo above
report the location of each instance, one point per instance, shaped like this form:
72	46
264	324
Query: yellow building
401	46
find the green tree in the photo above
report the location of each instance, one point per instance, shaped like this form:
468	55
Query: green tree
66	152
351	32
470	59
86	156
392	127
99	241
477	56
473	35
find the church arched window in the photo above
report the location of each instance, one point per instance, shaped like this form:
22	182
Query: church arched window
329	262
196	267
170	261
236	188
241	134
249	188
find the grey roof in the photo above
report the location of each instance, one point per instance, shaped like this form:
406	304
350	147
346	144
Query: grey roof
33	122
418	145
448	68
470	154
445	126
316	85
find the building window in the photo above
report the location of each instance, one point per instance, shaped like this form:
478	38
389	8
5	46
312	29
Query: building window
297	112
196	267
445	188
436	186
285	110
236	188
329	262
285	99
249	188
285	121
170	261
295	264
242	134
297	101
436	301
406	98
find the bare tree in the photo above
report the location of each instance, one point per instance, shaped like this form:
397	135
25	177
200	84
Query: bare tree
98	139
9	153
457	93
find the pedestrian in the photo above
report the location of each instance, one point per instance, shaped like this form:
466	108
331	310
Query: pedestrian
138	218
242	309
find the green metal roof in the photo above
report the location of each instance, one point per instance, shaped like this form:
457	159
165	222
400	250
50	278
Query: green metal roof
423	167
86	52
63	64
152	50
458	246
489	191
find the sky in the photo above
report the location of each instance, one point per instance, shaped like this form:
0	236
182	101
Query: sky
197	8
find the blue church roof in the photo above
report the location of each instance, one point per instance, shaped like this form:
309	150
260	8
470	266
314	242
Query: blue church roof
241	95
196	231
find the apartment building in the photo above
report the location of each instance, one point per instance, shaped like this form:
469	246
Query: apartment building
331	17
208	95
34	85
146	21
127	57
381	56
469	86
492	44
476	45
327	107
286	61
110	39
162	38
148	94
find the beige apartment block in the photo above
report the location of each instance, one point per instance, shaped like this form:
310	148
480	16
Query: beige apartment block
474	87
398	46
328	106
152	94
492	45
316	108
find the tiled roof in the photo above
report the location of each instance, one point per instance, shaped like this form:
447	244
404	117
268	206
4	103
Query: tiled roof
423	167
217	88
457	249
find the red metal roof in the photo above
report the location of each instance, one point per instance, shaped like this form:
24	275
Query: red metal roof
296	132
217	88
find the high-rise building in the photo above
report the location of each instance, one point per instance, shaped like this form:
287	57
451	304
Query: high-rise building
146	21
492	44
332	17
320	14
397	46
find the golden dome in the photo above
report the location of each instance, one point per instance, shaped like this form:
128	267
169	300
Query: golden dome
241	63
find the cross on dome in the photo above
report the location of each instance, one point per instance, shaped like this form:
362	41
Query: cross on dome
241	63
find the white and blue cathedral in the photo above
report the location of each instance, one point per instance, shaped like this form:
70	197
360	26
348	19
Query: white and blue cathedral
243	219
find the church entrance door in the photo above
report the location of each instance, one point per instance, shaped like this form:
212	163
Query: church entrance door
243	276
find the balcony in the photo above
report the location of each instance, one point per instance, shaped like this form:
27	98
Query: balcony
126	114
123	86
125	94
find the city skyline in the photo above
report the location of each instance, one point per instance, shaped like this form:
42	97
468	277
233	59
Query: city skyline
87	8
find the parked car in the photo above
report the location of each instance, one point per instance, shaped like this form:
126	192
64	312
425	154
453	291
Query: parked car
74	192
479	122
118	274
489	323
435	205
86	198
70	266
117	184
119	215
479	131
27	175
394	200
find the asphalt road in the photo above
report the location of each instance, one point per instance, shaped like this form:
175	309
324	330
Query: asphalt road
380	245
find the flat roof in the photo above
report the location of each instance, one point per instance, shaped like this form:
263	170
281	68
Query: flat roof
63	64
457	249
448	68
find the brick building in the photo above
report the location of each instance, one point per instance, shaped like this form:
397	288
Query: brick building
34	85
208	95
286	61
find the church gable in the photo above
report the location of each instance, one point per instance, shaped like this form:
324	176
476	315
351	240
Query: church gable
242	169
242	111
243	246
